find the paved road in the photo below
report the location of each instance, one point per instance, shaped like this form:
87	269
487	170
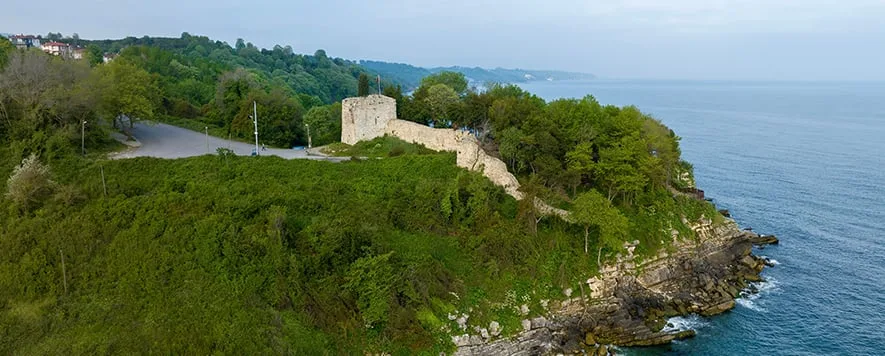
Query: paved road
167	141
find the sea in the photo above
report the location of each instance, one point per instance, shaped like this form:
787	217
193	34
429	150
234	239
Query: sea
804	161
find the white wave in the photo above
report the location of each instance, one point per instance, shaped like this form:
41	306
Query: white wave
749	297
771	261
682	323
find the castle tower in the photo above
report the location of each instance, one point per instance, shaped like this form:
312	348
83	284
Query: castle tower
365	118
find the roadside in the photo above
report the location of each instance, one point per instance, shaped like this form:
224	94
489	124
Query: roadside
167	141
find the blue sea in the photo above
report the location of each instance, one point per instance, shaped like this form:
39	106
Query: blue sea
804	161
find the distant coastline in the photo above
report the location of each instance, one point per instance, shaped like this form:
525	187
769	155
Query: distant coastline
411	75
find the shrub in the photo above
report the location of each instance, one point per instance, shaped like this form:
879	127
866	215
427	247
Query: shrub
29	183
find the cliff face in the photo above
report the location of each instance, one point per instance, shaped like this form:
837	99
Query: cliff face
629	302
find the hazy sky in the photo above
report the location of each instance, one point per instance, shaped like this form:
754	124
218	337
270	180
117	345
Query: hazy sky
675	39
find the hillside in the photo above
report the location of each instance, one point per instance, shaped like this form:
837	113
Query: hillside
254	255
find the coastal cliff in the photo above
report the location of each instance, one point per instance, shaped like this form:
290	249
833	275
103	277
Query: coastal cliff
628	303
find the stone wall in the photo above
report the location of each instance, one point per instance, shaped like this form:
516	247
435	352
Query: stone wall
365	118
469	153
374	116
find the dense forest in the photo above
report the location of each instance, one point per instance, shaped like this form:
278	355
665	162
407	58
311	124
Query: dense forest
257	255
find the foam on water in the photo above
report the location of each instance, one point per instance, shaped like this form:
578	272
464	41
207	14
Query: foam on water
769	260
749	297
682	323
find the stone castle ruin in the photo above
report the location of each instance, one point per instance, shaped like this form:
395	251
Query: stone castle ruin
365	118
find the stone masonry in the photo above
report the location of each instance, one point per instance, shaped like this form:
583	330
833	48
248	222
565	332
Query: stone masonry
365	118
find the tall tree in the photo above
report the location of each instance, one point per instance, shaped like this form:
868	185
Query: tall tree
441	100
591	209
94	55
128	92
363	86
6	49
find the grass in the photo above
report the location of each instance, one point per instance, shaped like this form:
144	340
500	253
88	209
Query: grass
386	146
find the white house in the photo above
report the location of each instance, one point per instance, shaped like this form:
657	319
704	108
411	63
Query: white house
57	49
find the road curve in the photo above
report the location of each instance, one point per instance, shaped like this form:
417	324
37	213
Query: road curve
167	141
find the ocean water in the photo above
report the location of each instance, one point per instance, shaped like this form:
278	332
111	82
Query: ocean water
803	161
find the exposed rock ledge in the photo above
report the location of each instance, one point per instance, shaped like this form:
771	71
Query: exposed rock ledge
628	304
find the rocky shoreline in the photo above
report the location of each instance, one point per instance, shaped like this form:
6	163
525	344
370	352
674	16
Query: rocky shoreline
629	303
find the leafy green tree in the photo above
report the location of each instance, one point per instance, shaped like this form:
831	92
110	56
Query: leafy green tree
363	86
6	48
325	124
441	100
395	92
454	80
128	92
591	209
94	55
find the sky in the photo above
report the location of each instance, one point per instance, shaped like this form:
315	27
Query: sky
646	39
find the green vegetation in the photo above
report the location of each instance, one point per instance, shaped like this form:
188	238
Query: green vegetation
214	84
572	148
258	255
386	146
243	255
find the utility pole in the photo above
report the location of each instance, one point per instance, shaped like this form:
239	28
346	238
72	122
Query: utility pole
309	145
255	120
379	84
207	140
83	137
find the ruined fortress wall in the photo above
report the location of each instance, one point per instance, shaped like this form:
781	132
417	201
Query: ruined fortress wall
469	153
364	118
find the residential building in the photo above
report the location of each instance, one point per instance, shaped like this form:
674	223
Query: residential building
78	53
57	49
25	41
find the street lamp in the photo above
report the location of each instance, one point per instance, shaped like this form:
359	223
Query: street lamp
254	118
207	140
83	137
309	145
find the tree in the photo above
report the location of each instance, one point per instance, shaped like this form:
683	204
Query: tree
592	209
395	92
94	55
325	124
453	80
29	183
127	92
6	49
363	86
441	100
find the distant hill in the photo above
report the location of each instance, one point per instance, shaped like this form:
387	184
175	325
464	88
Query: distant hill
411	75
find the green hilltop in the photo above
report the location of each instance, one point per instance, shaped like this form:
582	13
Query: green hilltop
258	255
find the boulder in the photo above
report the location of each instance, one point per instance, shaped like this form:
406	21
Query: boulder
589	339
495	328
602	350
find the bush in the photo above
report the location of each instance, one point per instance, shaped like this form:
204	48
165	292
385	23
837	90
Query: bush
29	183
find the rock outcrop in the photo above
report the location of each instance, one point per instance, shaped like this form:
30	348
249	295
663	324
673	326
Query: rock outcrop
629	302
